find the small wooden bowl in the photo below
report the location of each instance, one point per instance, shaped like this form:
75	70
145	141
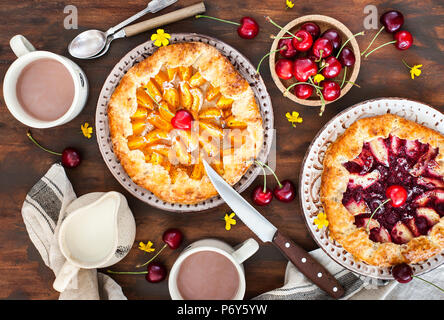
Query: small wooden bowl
324	24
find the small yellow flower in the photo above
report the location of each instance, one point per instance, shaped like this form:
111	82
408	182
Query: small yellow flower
160	38
293	118
289	4
229	220
321	220
146	247
415	71
86	130
318	78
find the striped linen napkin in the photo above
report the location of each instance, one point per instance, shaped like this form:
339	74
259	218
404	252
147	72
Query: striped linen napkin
298	287
43	211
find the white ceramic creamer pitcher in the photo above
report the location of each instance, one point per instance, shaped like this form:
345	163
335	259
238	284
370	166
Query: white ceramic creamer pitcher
98	231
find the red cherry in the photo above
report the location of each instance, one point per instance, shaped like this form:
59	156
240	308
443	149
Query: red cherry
312	28
284	69
392	20
303	91
260	197
70	158
397	195
330	90
173	238
303	41
334	37
182	120
404	40
347	57
402	273
156	272
286	48
304	68
322	47
286	192
248	28
333	69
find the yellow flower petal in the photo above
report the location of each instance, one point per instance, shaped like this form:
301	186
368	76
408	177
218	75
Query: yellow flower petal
318	78
146	247
86	130
321	220
229	221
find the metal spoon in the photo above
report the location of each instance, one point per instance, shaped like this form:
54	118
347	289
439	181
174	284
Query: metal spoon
94	43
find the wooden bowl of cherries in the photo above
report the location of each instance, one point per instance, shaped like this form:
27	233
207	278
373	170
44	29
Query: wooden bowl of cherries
314	60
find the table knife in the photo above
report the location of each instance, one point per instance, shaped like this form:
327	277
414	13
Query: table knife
267	232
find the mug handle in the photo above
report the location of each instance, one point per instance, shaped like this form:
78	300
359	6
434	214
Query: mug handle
20	45
64	276
246	250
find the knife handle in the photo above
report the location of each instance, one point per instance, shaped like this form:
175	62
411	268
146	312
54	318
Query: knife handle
311	268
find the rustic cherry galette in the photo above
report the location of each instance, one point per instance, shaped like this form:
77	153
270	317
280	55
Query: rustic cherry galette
383	190
184	103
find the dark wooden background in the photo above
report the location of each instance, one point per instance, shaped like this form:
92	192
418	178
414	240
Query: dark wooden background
23	275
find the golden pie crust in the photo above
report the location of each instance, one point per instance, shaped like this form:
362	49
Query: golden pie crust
180	62
335	179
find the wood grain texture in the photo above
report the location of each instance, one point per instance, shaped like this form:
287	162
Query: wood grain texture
24	275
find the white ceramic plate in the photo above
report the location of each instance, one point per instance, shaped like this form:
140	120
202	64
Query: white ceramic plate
310	178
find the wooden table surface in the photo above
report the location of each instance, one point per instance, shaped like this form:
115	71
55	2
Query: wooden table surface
23	275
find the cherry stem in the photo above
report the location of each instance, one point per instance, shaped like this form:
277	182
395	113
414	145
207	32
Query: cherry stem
379	207
295	84
278	26
377	34
343	79
274	37
405	63
320	56
274	174
152	98
343	45
382	45
265	175
263	58
321	96
437	287
353	83
38	145
154	257
127	272
325	65
217	19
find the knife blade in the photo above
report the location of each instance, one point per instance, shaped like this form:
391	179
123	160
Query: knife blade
267	232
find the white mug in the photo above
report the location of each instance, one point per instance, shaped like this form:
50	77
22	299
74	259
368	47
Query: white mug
109	219
26	53
236	255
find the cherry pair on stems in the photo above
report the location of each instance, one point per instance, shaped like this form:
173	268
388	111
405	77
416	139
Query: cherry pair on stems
156	271
285	191
248	27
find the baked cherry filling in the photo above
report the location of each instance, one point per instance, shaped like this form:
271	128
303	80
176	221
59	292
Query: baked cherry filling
390	166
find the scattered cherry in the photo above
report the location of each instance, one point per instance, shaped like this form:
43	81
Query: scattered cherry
156	272
313	28
304	68
397	195
330	90
284	69
334	37
182	120
322	48
402	273
392	21
70	157
285	191
262	196
248	27
302	40
404	40
173	238
347	57
303	91
333	68
286	48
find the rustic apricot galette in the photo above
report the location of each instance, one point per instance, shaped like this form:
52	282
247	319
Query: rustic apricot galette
184	103
383	190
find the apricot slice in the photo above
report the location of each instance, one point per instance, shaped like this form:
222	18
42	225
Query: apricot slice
136	142
156	158
171	73
197	100
197	80
156	120
143	99
156	135
210	129
197	172
182	155
162	149
218	166
211	113
186	98
171	95
212	93
160	78
138	126
153	91
141	113
165	111
233	123
185	73
224	103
